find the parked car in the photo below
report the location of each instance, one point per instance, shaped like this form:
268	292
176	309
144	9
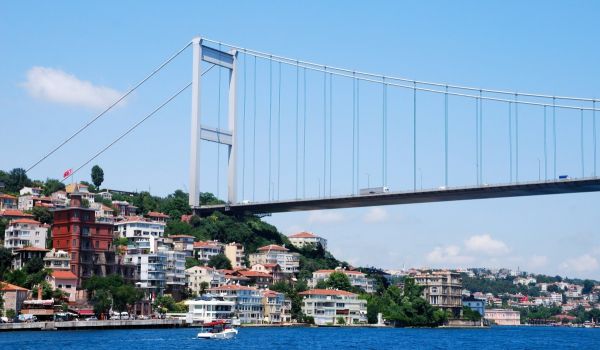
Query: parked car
92	318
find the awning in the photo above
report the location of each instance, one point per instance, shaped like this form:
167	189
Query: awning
85	312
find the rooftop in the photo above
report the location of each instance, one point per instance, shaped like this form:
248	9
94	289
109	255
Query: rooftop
272	247
303	235
327	292
64	275
10	287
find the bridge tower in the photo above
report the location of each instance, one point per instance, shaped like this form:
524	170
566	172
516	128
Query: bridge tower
221	59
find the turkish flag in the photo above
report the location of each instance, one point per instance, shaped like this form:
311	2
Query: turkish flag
67	173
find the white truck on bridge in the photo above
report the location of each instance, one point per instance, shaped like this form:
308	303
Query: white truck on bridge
374	190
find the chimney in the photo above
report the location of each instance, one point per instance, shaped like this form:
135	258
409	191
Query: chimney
75	200
39	296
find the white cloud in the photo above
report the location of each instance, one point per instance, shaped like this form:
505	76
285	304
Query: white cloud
54	85
375	214
324	217
583	263
449	255
537	261
485	244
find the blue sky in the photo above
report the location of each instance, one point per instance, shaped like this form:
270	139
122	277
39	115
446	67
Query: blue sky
50	51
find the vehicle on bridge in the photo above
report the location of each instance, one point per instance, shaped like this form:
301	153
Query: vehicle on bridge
374	190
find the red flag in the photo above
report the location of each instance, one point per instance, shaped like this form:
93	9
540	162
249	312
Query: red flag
67	173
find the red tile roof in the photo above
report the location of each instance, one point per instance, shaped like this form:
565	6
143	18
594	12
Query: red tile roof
64	275
7	196
32	249
156	214
25	221
231	287
327	292
203	244
10	287
303	235
15	213
347	272
181	236
251	273
272	247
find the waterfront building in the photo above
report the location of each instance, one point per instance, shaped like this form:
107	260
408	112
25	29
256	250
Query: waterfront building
248	301
197	274
474	304
22	233
275	307
357	278
208	309
235	253
23	255
65	281
7	202
503	317
326	306
307	239
175	280
57	260
88	242
275	254
204	250
13	297
151	269
442	289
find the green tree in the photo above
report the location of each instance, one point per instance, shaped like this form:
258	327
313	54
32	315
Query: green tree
291	291
42	215
17	179
588	286
97	176
219	261
3	226
102	302
53	185
203	287
6	259
191	262
470	314
125	296
11	314
340	320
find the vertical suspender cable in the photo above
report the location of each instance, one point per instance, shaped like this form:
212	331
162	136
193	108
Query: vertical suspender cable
545	147
358	132
279	132
554	131
353	132
477	139
581	137
297	114
383	91
330	130
324	130
446	137
415	137
304	138
594	132
218	129
480	138
516	138
254	135
270	120
244	133
510	140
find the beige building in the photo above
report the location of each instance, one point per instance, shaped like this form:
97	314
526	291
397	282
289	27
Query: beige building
276	308
66	281
303	239
57	260
198	274
442	289
235	253
503	317
275	254
13	296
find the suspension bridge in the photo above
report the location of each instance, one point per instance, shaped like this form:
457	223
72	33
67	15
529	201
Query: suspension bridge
296	135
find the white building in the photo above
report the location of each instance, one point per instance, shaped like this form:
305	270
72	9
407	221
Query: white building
35	191
103	213
326	306
210	309
65	281
204	250
197	274
303	239
503	317
275	254
57	260
357	279
26	202
524	280
151	274
136	228
25	233
248	301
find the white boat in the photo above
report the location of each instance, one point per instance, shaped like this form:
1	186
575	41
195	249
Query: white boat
217	330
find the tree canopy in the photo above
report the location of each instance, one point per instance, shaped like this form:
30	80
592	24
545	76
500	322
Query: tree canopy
219	261
97	176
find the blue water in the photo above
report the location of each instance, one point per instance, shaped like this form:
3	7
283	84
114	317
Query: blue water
543	338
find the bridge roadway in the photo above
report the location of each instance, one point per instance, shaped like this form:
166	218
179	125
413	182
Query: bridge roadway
424	196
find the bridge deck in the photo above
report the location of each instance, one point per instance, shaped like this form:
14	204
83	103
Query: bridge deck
425	196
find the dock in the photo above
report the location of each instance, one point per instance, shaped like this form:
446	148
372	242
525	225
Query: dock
82	325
